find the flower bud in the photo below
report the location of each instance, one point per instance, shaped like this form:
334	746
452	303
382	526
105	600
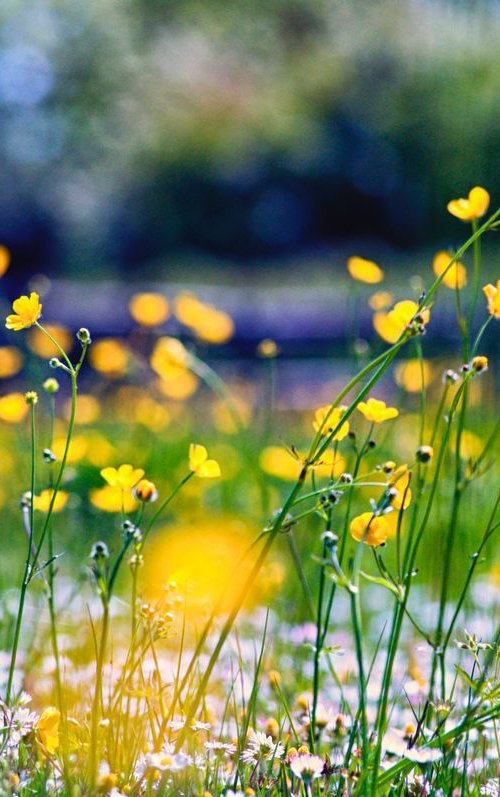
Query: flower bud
83	336
424	454
479	363
145	491
51	385
31	398
99	551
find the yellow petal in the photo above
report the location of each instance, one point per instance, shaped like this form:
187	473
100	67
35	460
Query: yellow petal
209	469
197	456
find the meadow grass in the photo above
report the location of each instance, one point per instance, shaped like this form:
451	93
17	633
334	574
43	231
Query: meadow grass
219	596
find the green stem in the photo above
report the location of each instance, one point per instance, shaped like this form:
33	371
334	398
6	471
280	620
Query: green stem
28	567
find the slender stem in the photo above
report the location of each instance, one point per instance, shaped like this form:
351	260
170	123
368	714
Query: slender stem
28	566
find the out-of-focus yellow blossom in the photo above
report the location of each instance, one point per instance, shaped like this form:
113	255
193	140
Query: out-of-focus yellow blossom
27	310
412	374
88	409
112	499
200	464
471	445
380	300
169	357
224	418
13	407
378	529
377	411
455	277
364	270
188	308
400	480
149	309
329	465
47	729
42	502
178	386
277	461
77	449
492	293
475	206
109	356
208	323
391	325
334	417
11	361
98	449
4	259
268	349
151	414
214	326
124	477
6	462
41	345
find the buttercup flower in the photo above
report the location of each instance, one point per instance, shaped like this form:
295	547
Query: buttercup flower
4	260
11	361
200	464
391	325
475	206
42	502
492	293
149	309
112	499
374	528
400	481
47	729
364	270
145	491
27	310
13	407
455	277
377	411
124	477
334	417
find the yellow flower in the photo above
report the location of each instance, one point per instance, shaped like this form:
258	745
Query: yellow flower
391	325
214	326
374	529
112	499
455	277
11	361
13	407
475	206
277	461
178	385
377	411
188	308
149	309
410	374
145	491
169	358
124	477
40	344
42	501
492	293
267	349
47	730
380	300
334	418
88	409
364	270
399	481
27	310
4	260
109	356
200	464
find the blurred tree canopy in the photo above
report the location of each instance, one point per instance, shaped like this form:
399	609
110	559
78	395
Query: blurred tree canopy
134	129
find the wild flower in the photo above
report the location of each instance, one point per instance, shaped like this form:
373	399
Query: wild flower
11	361
149	309
377	411
492	293
472	207
307	767
261	747
125	476
47	730
456	275
326	420
372	529
200	464
43	501
364	270
27	311
391	325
